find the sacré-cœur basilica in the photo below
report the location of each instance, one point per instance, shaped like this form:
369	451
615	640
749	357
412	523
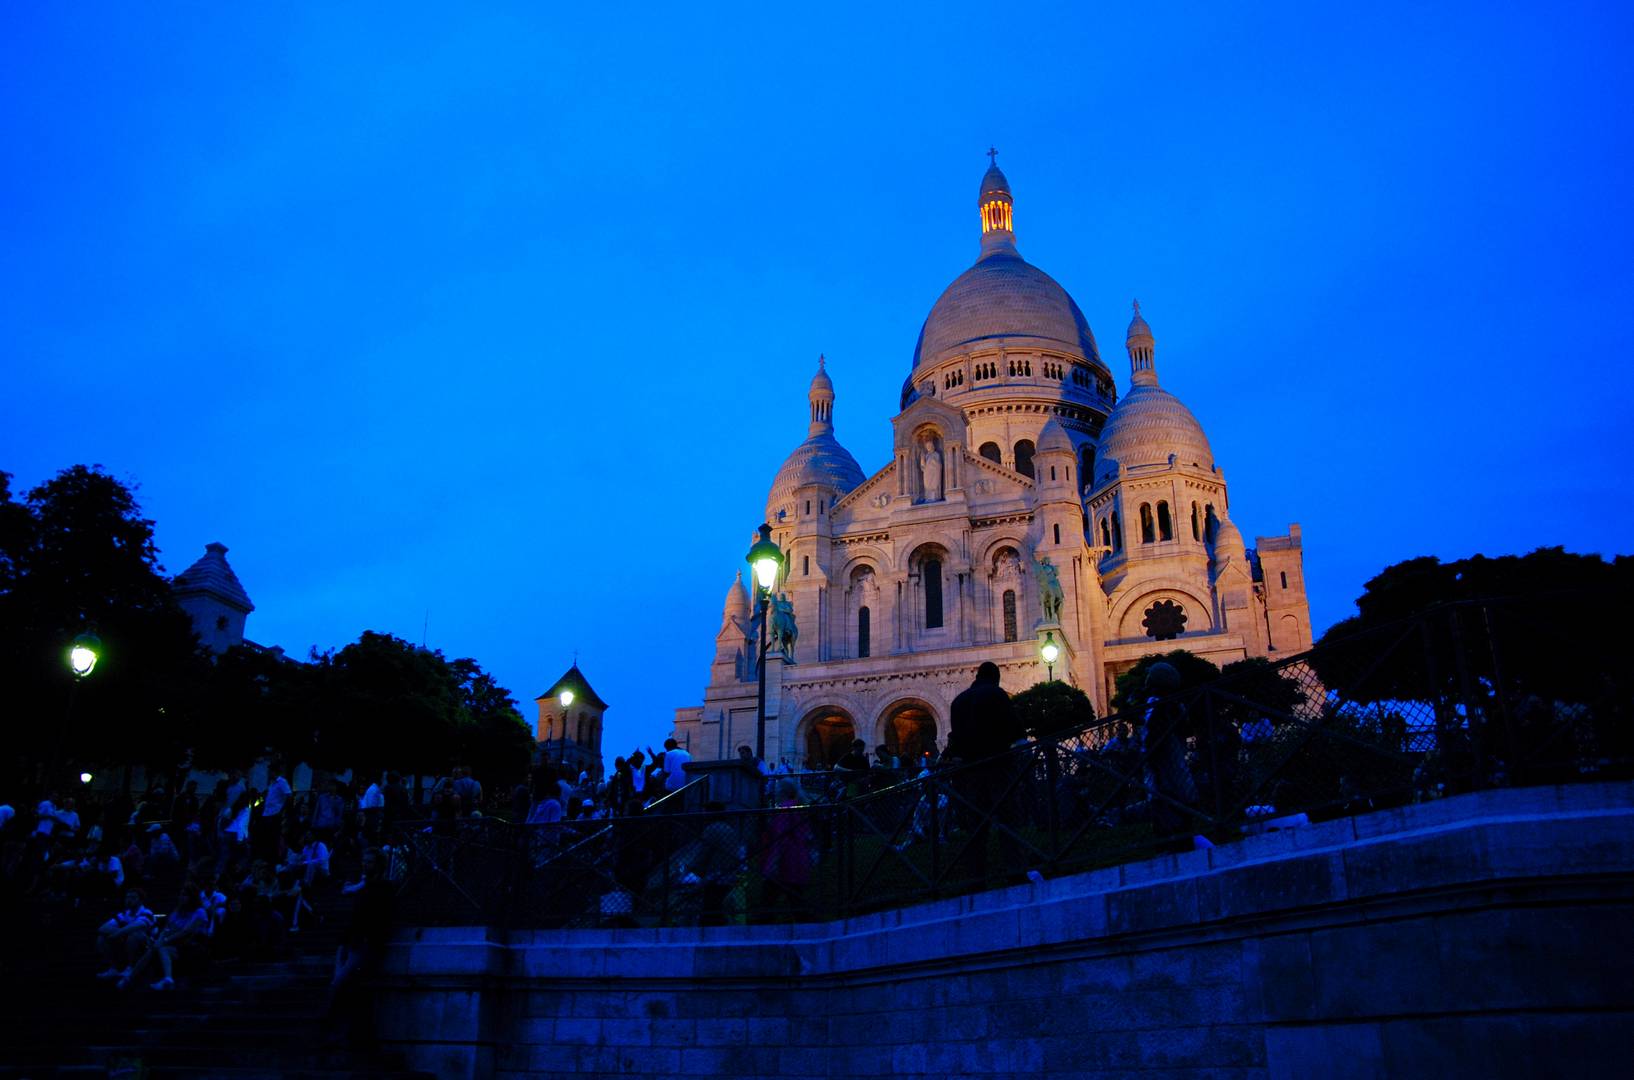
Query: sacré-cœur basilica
1025	501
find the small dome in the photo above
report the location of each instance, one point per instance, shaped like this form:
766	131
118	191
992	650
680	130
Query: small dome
993	181
1137	326
820	382
1003	296
1228	542
1054	437
1146	426
737	602
819	460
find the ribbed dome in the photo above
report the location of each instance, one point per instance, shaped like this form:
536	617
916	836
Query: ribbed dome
819	460
1145	427
1003	296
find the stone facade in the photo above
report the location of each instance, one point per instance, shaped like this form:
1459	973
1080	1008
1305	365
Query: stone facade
1483	935
1024	502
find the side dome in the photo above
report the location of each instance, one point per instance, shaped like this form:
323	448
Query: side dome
819	460
1003	296
1146	426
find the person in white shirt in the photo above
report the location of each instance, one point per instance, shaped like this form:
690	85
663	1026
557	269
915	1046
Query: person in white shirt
675	759
374	811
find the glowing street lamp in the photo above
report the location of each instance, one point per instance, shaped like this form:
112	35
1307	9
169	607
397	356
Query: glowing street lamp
85	778
765	558
1050	652
83	653
566	698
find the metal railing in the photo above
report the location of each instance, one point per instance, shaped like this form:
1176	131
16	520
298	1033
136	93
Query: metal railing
1461	698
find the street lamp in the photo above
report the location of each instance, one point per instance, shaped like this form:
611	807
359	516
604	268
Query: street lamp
1050	651
85	778
766	559
566	698
82	654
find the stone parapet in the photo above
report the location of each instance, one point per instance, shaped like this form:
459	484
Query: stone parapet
1492	928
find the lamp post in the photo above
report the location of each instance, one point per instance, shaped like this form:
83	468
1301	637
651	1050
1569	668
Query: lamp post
766	559
83	653
566	698
1050	652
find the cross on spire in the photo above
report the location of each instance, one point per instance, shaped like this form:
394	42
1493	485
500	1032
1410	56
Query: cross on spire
992	156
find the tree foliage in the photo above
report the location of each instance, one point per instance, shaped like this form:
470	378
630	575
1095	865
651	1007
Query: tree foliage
1525	624
1130	689
1047	708
76	554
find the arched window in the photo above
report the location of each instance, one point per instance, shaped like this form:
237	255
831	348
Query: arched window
1196	525
1106	534
1117	532
1284	579
1052	472
931	571
1057	533
864	631
1009	614
1024	457
1165	527
990	451
1211	524
1148	532
805	566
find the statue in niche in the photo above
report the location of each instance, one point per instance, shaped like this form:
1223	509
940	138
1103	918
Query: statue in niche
1049	591
783	631
930	469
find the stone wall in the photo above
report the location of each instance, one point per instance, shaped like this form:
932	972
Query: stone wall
1486	935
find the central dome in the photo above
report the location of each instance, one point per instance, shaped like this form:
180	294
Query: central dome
1003	296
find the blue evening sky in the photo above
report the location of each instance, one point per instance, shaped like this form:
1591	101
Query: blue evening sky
507	314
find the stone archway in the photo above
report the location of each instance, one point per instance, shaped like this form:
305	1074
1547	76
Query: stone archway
829	732
908	728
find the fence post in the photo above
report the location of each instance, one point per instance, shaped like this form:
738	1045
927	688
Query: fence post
1500	692
1474	715
935	836
1213	751
1052	796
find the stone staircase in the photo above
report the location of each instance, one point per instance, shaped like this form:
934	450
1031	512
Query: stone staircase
240	1019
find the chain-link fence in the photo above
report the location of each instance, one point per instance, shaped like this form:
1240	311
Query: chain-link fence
1463	697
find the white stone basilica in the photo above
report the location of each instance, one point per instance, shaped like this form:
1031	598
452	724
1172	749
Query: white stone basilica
1024	501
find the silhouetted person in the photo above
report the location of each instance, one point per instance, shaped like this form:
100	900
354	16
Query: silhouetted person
982	726
1163	746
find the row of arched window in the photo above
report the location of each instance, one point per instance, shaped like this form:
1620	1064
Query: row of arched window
985	370
953	378
1023	459
1157	525
1022	366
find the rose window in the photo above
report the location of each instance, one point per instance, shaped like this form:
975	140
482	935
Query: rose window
1165	620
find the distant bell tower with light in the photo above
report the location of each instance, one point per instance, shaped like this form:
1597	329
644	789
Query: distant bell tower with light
570	718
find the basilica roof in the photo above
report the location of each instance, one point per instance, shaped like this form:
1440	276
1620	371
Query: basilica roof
1002	296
